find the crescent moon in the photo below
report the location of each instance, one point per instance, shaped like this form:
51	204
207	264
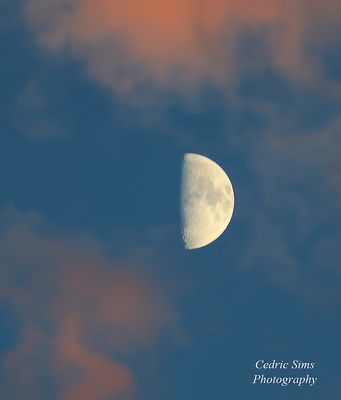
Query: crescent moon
207	201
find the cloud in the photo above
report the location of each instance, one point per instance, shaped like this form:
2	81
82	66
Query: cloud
290	213
82	316
128	45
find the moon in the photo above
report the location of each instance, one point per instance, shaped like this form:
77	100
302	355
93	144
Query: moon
207	201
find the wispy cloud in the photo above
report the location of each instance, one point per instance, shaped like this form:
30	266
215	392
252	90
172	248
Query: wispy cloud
82	314
290	214
131	45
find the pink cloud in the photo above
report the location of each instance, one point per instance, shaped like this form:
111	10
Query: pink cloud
81	314
186	42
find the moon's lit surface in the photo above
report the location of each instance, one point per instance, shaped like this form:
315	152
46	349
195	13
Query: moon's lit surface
207	201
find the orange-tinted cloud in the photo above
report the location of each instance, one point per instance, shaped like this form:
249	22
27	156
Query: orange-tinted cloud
183	42
81	315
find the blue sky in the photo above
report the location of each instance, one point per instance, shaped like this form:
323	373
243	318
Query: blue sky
99	103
